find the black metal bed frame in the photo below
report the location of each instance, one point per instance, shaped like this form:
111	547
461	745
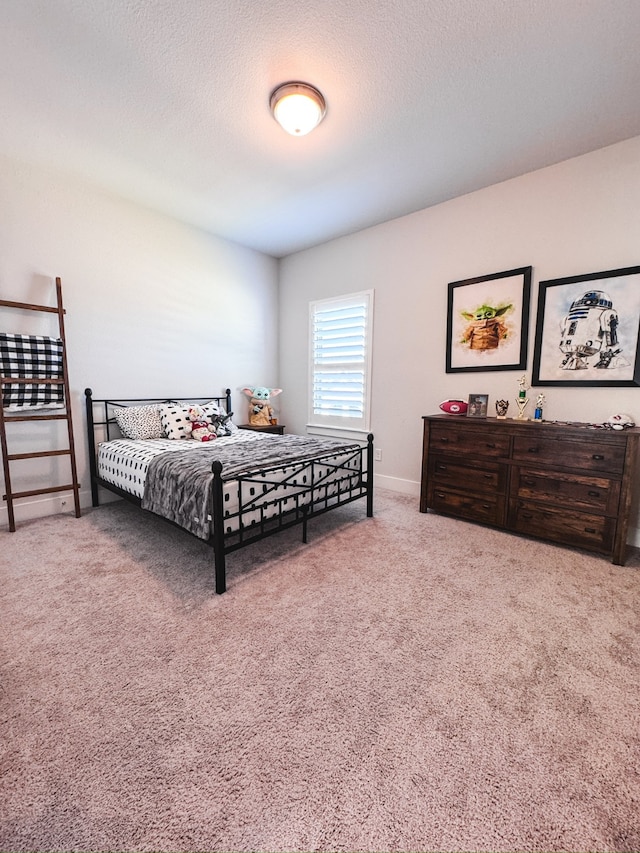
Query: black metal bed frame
327	485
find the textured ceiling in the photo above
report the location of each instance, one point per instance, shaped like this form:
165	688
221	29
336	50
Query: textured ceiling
165	102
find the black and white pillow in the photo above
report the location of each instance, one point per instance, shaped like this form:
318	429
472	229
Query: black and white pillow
174	418
139	422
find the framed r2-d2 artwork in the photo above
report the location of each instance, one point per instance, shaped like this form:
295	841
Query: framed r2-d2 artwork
587	330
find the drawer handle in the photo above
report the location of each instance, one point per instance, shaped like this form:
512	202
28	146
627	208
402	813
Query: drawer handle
486	506
440	495
529	482
444	440
589	530
533	450
597	456
488	476
593	494
490	446
441	467
527	515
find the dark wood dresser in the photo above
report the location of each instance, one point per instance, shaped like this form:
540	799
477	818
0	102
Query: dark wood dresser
569	483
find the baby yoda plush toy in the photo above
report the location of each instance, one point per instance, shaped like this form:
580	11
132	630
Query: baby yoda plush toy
260	408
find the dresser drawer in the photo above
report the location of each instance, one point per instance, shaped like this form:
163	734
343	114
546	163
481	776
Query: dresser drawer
598	494
487	509
586	455
454	439
584	530
470	476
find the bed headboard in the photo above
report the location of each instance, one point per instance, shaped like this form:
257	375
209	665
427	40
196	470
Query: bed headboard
100	412
101	422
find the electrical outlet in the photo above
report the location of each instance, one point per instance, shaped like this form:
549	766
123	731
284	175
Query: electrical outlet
378	455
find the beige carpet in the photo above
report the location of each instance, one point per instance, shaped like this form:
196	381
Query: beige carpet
404	683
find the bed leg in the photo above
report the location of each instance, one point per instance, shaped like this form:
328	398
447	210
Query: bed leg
221	572
218	528
305	518
370	475
91	439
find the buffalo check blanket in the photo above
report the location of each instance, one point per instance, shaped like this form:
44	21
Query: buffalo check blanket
31	357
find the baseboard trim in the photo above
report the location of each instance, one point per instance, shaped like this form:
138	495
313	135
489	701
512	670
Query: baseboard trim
60	504
395	484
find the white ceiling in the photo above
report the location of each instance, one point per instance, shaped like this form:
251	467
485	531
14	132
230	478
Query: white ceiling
165	102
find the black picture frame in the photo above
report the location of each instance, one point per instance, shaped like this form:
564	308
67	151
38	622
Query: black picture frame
588	330
484	343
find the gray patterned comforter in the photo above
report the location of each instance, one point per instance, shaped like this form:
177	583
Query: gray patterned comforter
178	485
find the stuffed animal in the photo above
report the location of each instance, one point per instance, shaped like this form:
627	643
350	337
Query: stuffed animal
222	424
201	427
260	409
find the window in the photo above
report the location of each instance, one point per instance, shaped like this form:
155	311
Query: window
340	360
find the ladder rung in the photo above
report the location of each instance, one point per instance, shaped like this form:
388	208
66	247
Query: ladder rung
13	456
14	495
21	380
5	303
8	418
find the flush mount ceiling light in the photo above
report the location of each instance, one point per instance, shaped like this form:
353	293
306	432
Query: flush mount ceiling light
297	107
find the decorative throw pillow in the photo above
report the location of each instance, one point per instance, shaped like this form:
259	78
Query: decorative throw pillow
212	408
174	419
139	422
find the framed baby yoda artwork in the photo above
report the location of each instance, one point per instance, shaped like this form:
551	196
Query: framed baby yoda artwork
488	322
587	330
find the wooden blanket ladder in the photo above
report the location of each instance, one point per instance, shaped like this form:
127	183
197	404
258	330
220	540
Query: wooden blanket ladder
6	418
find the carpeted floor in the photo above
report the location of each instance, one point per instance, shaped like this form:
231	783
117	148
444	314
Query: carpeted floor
402	683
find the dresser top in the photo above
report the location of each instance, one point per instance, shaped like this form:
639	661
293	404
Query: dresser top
545	426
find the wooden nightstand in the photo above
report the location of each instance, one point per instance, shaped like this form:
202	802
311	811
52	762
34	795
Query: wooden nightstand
275	429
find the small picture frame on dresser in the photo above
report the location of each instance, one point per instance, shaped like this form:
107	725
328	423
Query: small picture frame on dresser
478	404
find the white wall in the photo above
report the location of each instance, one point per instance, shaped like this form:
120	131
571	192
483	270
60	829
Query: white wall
578	217
153	307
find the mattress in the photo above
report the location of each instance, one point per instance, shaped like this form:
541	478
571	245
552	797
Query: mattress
124	463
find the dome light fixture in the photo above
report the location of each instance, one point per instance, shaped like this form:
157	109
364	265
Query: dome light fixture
297	107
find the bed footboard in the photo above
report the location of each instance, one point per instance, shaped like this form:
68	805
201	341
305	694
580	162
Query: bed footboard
280	497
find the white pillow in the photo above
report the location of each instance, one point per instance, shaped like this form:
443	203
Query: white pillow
213	408
139	422
174	419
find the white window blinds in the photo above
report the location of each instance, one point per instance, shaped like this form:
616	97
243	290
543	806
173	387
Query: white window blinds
341	361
